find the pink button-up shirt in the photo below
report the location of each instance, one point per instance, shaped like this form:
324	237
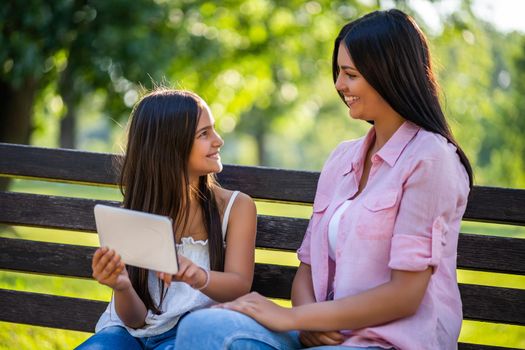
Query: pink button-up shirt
407	218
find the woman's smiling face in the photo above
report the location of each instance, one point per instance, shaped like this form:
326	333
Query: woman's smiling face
362	99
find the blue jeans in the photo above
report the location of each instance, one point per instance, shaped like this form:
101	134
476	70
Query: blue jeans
116	337
221	329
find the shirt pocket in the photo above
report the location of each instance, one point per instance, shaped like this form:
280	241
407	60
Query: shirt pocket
321	202
378	215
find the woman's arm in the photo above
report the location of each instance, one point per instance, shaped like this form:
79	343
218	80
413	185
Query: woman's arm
302	286
398	298
395	299
109	270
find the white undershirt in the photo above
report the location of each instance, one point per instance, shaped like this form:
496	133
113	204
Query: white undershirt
333	228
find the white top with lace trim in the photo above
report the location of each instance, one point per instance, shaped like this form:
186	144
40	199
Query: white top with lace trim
180	298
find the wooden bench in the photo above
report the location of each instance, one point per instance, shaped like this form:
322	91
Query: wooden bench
476	252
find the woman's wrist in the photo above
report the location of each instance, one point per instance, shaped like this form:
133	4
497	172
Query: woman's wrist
294	318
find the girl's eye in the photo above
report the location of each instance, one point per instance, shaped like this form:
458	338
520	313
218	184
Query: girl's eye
203	134
351	76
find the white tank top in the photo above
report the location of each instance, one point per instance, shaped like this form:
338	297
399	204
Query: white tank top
333	228
180	297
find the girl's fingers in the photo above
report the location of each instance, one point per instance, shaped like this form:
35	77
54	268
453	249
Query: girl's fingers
117	270
184	264
98	254
112	264
100	265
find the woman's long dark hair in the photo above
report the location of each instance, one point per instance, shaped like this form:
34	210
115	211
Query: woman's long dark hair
391	53
154	173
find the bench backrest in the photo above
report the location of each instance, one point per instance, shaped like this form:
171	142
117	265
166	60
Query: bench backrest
475	252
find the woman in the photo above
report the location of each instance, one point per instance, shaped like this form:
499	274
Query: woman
378	261
172	154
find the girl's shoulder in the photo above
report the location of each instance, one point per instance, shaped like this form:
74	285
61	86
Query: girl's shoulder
241	202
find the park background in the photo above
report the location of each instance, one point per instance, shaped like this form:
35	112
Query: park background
71	70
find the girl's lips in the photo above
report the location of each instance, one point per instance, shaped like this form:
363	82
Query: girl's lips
214	155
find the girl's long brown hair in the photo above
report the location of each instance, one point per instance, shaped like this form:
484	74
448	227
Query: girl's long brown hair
154	173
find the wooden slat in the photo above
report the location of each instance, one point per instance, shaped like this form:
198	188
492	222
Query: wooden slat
50	310
77	214
496	205
480	302
493	304
57	164
97	168
47	310
475	252
486	204
465	346
492	254
48	211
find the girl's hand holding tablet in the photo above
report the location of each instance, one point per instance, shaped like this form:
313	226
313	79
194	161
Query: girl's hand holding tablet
189	272
109	270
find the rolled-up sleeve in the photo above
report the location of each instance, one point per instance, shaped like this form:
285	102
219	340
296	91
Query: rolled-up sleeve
429	198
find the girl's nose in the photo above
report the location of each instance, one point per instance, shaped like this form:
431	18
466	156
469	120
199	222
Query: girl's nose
218	140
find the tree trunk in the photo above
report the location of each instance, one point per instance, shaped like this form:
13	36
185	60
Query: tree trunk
261	146
15	119
68	124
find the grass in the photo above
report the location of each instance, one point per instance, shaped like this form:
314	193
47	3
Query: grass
30	337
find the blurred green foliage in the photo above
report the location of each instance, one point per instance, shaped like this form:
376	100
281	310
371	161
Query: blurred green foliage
262	65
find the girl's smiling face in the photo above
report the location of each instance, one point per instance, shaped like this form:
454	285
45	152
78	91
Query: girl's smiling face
205	153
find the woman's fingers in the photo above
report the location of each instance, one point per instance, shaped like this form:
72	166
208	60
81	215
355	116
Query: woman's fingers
307	339
327	340
335	336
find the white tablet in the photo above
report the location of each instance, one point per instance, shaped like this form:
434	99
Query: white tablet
142	239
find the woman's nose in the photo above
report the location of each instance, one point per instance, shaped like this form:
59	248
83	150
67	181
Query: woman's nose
339	84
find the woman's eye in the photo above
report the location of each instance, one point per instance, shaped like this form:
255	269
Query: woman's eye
351	76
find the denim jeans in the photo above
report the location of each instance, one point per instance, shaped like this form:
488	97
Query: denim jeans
221	329
116	337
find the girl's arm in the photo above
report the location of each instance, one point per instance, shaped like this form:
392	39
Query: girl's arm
130	308
236	280
109	270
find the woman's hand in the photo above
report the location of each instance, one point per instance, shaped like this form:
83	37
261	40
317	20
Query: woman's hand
109	270
189	273
264	311
313	338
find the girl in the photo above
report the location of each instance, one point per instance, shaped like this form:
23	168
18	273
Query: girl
172	154
378	261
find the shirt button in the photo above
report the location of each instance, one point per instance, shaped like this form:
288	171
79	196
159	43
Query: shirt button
375	158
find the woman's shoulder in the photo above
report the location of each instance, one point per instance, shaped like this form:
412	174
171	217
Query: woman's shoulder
429	145
344	148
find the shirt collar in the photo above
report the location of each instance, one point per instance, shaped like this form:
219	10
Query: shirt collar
390	152
359	156
393	148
